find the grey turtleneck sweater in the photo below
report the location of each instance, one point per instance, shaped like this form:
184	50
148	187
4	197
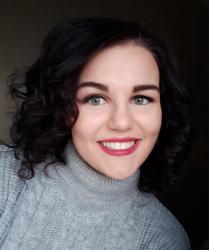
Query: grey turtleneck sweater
75	207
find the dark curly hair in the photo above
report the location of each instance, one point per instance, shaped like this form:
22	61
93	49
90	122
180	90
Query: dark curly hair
42	123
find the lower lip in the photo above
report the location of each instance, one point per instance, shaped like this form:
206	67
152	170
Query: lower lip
120	152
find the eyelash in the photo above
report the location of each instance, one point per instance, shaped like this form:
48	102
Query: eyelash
88	98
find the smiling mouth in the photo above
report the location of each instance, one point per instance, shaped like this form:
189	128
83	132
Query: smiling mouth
122	147
118	145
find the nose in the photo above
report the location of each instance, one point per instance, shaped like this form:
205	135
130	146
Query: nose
120	119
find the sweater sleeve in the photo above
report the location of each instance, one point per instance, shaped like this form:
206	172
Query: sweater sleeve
8	176
172	238
164	231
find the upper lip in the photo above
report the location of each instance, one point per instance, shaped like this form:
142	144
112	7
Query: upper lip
125	139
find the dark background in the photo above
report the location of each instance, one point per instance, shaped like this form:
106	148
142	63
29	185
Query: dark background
185	24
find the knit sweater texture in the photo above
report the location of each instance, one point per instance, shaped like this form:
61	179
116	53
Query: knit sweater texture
76	207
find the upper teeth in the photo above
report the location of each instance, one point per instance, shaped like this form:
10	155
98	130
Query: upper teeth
118	145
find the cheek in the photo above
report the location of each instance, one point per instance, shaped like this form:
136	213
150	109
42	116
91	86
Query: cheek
87	124
151	122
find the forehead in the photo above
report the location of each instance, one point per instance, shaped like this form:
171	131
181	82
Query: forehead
122	63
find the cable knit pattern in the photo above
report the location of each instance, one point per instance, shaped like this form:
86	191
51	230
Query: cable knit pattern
76	207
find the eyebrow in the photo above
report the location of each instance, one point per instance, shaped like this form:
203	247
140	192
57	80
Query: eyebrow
103	87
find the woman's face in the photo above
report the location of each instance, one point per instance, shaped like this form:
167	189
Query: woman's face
119	110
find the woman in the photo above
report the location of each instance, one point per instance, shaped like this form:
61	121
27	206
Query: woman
103	125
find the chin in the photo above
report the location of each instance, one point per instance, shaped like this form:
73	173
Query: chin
119	176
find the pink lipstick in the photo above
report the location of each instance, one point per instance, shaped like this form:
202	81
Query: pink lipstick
119	146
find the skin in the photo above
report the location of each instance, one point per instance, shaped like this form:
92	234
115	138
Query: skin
119	112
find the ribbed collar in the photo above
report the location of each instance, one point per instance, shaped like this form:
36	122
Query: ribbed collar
92	184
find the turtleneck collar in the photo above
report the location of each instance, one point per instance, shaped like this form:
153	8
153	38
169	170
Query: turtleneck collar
90	183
